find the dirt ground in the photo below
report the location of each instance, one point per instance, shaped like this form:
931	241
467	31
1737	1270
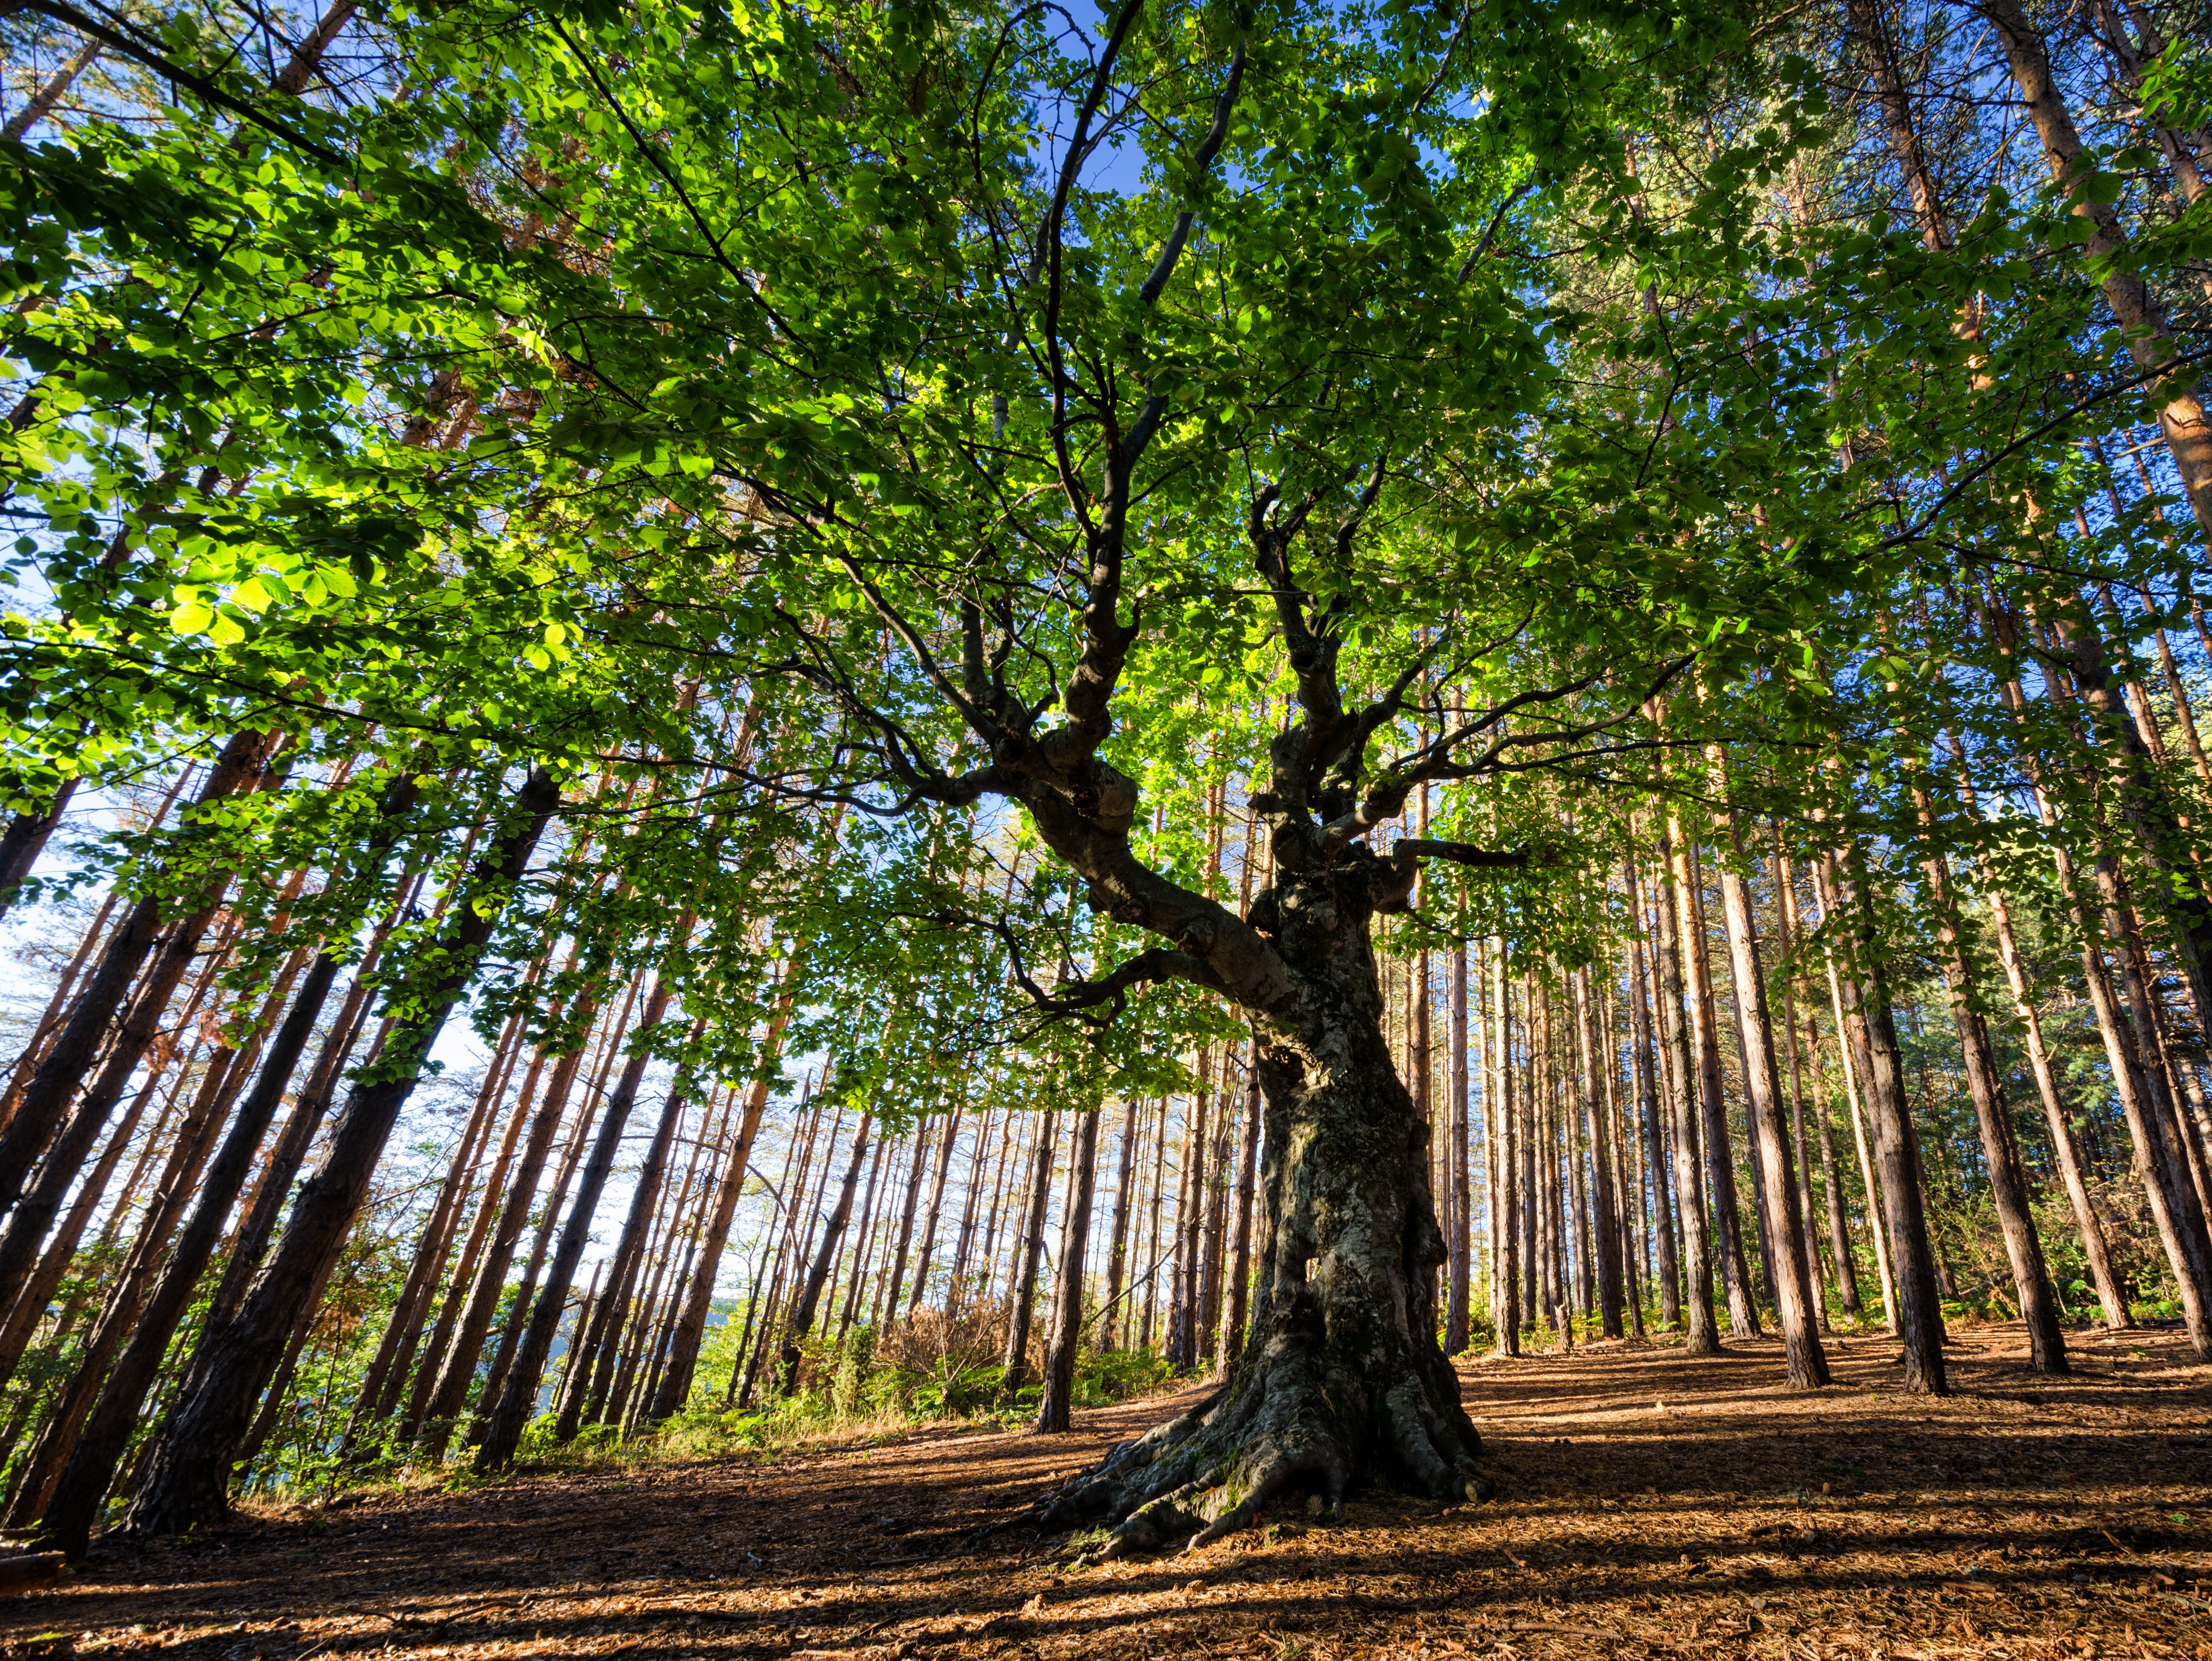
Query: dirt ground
1650	1505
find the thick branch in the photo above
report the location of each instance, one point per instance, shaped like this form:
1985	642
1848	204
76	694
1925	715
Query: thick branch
1462	853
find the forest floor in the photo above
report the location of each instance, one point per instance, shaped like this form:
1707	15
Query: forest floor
1650	1504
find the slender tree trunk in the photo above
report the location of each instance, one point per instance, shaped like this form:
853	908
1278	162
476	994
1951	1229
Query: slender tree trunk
801	1321
1992	1115
1839	1238
1918	1312
1702	1333
504	1424
1795	1305
860	1243
1248	1162
1647	1109
1505	1170
46	1100
186	1481
1029	1250
1113	1324
675	1387
936	1206
1727	1223
1461	1265
1152	1227
60	1437
2149	336
1801	1149
387	1372
1067	1290
27	833
455	1366
596	1353
1605	1244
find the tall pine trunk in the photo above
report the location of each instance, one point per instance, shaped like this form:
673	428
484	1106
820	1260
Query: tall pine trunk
185	1482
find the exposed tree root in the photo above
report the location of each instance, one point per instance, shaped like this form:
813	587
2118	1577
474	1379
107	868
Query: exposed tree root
1286	1422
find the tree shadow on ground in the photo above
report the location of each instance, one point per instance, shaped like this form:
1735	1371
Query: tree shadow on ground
1652	1503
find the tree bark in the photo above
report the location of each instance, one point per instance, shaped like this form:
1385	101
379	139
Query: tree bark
37	108
1029	1250
1727	1224
801	1321
46	1100
1795	1305
1918	1312
27	833
1701	1331
598	1352
1113	1324
1992	1115
185	1483
1605	1245
2142	319
1344	1375
1053	1409
1668	1272
1247	1159
690	1329
504	1424
1461	1265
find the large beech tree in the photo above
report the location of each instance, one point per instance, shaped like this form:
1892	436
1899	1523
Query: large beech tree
1079	447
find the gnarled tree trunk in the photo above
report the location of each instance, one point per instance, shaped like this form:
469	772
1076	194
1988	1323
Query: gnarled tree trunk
1342	1377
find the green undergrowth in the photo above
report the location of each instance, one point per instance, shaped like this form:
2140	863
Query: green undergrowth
859	1395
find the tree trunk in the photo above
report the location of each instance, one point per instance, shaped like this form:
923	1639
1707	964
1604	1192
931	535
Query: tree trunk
801	1321
862	1240
26	835
599	1351
1053	1409
1247	1160
1839	1238
1727	1224
386	1377
46	1100
1112	1325
186	1481
690	1329
1605	1212
936	1204
1503	1160
1794	1306
2150	337
1029	1250
1461	1265
504	1424
1647	1107
1993	1116
1701	1332
1343	1376
63	1429
36	109
1918	1312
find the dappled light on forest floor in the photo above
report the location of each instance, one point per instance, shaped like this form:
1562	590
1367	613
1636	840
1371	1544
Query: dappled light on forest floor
1650	1504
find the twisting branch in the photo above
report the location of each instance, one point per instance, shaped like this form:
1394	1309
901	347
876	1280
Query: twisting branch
1080	1000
